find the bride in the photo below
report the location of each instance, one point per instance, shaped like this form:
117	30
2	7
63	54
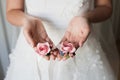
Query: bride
58	41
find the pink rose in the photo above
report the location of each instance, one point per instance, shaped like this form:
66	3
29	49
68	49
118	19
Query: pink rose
43	48
67	47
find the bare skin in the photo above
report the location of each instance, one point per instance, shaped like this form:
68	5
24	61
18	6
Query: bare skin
75	33
78	29
33	28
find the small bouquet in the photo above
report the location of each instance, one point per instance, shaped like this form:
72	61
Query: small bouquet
67	48
43	49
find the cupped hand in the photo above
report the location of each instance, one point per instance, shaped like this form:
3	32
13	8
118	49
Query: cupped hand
35	33
76	33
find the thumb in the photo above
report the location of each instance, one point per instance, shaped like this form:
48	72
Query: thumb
81	42
63	40
50	42
65	37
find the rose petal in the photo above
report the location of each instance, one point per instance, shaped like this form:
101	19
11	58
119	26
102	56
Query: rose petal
46	43
67	47
73	50
43	48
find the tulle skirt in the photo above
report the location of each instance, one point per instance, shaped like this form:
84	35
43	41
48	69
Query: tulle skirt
90	62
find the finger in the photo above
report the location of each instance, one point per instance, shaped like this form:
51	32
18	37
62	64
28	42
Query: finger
29	38
52	54
71	54
55	51
81	42
46	57
76	44
59	57
65	56
36	50
52	57
50	42
65	37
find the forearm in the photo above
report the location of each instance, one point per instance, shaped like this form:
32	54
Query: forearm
99	14
17	17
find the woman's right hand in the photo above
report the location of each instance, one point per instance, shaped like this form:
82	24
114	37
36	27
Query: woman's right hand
35	32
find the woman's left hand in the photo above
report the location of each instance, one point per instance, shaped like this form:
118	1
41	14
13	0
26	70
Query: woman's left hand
76	33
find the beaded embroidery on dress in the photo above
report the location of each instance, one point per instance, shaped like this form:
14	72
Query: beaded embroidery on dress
90	63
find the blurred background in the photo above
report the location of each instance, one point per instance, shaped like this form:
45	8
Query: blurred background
9	34
8	37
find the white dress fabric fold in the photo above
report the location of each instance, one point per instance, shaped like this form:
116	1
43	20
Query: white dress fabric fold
90	62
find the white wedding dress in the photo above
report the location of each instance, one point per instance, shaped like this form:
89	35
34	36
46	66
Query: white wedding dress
90	62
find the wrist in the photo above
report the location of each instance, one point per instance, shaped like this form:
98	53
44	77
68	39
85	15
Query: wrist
29	20
87	16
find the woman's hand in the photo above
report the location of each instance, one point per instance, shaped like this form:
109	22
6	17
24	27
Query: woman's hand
76	33
35	33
